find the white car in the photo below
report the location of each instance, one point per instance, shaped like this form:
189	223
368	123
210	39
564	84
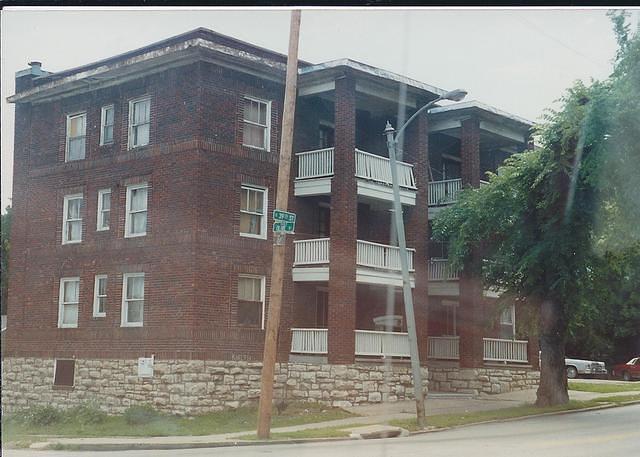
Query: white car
577	367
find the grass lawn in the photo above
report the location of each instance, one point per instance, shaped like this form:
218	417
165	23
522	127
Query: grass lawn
223	422
604	388
450	420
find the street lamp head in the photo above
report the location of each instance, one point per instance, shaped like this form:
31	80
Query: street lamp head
388	128
455	95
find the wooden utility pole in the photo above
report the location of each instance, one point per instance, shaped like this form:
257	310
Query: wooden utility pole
277	263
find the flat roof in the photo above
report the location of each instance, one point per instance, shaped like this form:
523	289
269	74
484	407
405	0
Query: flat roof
477	105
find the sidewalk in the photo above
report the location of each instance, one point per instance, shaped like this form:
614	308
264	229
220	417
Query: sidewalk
369	415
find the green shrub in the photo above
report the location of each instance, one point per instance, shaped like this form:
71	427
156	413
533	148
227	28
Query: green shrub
39	416
86	414
140	415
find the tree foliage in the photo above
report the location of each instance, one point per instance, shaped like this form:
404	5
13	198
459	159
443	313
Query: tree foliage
559	227
5	228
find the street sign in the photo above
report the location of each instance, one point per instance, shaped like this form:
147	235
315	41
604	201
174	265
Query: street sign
284	216
286	227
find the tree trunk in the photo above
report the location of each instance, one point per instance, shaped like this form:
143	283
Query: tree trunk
553	377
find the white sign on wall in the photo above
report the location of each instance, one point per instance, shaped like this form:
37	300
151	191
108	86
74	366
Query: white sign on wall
145	367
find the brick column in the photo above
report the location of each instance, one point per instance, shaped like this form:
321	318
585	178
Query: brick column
470	152
470	315
344	217
417	224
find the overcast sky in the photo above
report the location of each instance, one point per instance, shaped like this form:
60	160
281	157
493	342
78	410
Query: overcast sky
519	60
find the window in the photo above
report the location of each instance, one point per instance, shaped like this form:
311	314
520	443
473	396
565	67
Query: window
253	204
100	296
139	122
104	209
72	219
326	136
251	300
257	123
324	219
106	125
507	316
76	134
136	219
64	372
132	299
68	304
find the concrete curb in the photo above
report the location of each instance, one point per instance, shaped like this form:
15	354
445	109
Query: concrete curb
52	445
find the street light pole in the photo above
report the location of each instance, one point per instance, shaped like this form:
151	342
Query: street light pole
392	143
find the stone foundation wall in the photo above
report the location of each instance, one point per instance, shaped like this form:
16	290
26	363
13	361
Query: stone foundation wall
196	386
487	380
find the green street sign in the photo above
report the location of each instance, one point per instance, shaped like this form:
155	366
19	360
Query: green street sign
284	216
286	227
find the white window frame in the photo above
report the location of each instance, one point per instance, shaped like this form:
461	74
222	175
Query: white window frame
267	127
65	221
265	202
62	304
125	305
130	144
67	137
453	307
127	222
97	296
512	316
103	124
263	288
99	226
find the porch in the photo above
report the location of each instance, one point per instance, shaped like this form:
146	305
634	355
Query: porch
376	263
373	174
314	341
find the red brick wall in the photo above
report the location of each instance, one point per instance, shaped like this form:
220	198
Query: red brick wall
192	253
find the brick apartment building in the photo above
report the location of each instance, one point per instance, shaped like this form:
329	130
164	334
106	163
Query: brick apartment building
142	200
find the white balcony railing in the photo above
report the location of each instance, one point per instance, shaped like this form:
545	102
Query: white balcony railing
444	347
377	168
315	164
376	255
389	344
441	270
309	340
311	252
444	192
502	350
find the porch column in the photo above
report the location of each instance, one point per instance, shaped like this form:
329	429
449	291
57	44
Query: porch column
344	216
470	152
470	315
417	224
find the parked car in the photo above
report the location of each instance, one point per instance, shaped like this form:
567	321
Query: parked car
627	371
576	367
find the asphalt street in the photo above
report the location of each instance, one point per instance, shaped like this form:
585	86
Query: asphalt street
605	433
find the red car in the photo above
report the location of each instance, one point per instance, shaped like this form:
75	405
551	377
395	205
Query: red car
627	371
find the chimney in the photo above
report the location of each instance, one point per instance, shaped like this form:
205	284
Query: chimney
24	78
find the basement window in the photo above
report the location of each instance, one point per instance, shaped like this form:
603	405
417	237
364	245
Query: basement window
64	373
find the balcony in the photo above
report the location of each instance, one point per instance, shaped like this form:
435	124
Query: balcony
441	270
369	343
375	263
444	192
444	347
502	350
373	174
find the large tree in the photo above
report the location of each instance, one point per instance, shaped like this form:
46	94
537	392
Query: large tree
557	224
